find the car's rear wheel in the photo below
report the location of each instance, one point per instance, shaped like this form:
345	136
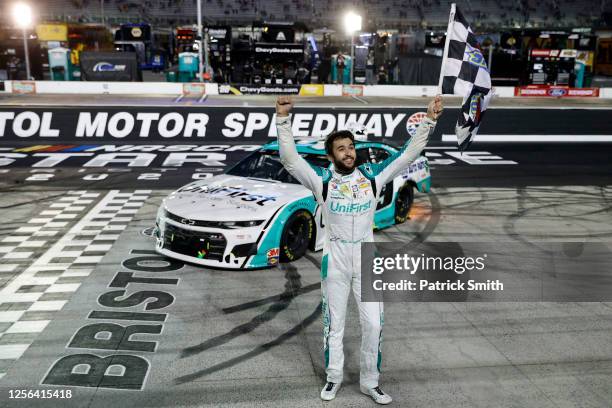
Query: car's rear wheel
296	236
403	203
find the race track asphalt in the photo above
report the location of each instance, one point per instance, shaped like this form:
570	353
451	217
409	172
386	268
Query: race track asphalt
218	338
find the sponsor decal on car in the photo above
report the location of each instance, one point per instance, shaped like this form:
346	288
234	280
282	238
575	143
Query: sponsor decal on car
202	252
273	255
227	191
413	122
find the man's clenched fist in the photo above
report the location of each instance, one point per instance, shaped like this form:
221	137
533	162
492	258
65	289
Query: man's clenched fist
283	105
435	108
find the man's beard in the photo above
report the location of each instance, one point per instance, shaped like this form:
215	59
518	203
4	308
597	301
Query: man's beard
342	168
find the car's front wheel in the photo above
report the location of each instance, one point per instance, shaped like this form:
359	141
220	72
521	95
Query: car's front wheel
405	197
296	236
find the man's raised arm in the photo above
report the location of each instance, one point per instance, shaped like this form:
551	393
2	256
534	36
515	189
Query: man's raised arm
410	151
291	160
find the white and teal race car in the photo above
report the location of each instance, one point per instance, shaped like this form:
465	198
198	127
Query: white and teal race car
257	215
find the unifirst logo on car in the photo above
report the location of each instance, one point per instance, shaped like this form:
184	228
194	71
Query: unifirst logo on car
233	192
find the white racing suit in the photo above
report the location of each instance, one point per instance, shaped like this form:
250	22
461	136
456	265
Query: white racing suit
348	205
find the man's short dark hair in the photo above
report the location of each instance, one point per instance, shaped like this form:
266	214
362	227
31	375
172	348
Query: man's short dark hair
342	134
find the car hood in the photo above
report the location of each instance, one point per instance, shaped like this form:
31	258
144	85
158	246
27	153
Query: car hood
232	198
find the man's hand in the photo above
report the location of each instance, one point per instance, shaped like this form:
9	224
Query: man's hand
283	105
435	108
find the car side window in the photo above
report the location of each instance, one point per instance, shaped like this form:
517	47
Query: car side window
378	154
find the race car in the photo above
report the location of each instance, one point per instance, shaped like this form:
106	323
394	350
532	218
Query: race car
256	214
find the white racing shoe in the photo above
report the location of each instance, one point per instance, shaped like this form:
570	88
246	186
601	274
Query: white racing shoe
377	395
328	392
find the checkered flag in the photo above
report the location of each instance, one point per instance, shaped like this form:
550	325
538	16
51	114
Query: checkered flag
464	72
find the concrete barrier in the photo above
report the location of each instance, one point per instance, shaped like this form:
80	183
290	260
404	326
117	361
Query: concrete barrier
605	93
173	88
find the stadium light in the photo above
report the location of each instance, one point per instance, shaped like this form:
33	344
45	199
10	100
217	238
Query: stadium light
202	45
200	62
102	12
352	23
22	14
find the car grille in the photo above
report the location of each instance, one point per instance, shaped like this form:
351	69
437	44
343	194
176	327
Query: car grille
187	221
202	245
205	224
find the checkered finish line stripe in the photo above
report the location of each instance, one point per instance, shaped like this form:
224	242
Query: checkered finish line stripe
26	243
30	300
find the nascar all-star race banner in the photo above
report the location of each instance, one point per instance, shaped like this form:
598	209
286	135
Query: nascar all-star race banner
205	124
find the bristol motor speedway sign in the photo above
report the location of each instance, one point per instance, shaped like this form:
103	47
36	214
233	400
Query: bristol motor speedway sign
187	124
202	125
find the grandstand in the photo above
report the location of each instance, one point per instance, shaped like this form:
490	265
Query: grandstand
319	13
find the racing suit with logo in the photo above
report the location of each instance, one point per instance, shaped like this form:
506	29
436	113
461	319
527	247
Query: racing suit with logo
348	203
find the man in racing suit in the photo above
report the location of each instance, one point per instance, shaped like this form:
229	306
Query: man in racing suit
348	195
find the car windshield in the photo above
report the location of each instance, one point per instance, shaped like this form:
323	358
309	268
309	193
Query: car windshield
267	165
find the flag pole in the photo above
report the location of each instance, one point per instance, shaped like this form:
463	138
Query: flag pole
451	18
